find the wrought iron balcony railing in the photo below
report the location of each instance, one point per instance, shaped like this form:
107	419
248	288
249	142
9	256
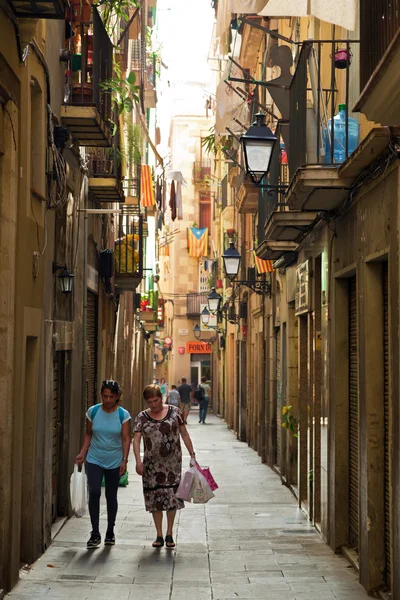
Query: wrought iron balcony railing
129	251
89	66
201	170
325	78
193	303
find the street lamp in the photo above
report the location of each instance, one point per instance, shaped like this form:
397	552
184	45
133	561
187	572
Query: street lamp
231	258
258	143
214	301
65	278
205	316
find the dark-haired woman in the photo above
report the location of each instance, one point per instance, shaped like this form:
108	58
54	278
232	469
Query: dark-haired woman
105	448
161	427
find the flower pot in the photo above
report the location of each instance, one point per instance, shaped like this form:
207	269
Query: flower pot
230	233
342	58
147	315
82	93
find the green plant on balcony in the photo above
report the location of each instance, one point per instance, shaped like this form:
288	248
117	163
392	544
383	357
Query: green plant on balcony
124	92
212	146
113	11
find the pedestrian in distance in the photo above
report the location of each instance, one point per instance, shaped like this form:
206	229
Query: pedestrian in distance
185	393
164	389
161	427
204	391
173	397
105	449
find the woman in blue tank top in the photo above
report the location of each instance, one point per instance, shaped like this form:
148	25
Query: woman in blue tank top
105	449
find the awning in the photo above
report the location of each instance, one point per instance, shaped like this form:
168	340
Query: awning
342	14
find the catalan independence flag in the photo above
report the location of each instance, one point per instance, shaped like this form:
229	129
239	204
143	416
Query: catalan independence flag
263	266
146	187
197	242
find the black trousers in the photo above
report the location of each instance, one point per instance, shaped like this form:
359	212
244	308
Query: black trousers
111	477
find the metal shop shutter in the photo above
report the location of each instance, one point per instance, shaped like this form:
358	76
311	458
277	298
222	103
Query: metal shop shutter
278	397
353	416
91	349
387	418
55	458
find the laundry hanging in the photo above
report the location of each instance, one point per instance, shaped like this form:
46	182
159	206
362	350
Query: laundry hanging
146	187
172	201
178	200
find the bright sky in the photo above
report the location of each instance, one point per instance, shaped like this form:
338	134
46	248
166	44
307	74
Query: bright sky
184	29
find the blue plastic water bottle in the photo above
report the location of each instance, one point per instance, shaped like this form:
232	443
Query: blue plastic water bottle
339	136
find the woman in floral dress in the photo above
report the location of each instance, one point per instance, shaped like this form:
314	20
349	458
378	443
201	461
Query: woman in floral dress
161	427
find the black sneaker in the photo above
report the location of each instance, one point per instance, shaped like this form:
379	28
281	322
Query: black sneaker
109	540
94	541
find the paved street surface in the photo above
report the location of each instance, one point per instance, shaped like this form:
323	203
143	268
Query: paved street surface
250	541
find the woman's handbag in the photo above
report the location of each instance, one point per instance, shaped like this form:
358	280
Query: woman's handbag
205	471
78	491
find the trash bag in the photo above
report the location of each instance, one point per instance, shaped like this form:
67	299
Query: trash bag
78	491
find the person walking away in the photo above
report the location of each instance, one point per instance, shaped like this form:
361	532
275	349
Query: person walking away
105	449
161	428
185	393
204	401
173	397
164	389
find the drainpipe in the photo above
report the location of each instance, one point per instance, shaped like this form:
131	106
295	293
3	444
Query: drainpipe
85	269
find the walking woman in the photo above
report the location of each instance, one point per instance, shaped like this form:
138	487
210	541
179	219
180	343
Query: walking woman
105	448
161	427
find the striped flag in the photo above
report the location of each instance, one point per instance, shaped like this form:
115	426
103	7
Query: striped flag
263	266
146	187
197	242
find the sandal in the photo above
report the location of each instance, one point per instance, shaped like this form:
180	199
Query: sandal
169	541
159	542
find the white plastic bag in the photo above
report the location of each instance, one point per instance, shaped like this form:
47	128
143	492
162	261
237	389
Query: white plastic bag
201	491
185	487
78	491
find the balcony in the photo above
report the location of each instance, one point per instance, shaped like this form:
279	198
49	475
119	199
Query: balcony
38	9
201	170
268	250
195	303
324	138
104	169
87	107
128	253
247	196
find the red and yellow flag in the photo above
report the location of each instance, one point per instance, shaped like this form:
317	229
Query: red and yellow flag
197	242
146	187
263	266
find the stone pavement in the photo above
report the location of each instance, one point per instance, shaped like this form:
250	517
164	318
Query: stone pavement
250	541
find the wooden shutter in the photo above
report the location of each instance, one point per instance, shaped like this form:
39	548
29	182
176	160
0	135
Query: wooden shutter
205	211
353	417
91	349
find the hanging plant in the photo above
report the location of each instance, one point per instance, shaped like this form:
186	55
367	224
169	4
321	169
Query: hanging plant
124	92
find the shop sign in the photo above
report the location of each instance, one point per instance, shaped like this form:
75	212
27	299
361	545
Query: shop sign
302	300
183	331
181	350
198	348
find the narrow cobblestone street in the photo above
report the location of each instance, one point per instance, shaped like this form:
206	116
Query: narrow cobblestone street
250	541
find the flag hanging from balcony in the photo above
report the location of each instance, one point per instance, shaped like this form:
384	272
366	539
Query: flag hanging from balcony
146	187
263	266
197	242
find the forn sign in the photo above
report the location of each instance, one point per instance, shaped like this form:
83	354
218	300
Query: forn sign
198	348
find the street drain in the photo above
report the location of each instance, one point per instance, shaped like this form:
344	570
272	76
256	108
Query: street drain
78	577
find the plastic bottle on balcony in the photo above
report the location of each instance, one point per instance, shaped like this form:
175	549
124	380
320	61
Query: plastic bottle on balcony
339	136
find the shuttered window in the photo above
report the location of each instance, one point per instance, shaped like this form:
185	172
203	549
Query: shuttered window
91	349
353	417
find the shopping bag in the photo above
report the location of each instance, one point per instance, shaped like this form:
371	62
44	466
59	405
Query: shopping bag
201	491
205	471
78	491
123	480
185	486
